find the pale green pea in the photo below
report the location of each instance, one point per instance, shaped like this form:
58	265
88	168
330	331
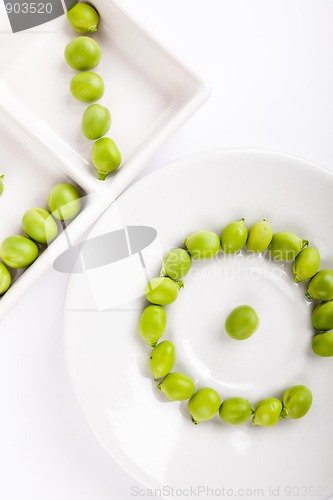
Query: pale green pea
242	322
203	244
306	264
162	359
177	264
322	344
286	246
177	387
64	201
82	53
204	404
5	278
233	237
296	401
322	316
83	18
39	224
1	184
162	290
235	411
96	121
152	324
260	236
321	286
106	157
18	251
87	86
267	412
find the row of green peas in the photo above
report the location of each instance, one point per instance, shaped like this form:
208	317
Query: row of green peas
40	227
83	54
163	290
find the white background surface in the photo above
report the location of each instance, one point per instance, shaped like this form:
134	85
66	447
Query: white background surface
271	68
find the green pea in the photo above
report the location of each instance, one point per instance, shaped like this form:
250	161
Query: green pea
297	401
322	344
321	286
286	246
64	201
162	291
87	86
96	121
106	157
162	359
177	264
204	404
306	264
18	251
322	316
242	322
39	224
267	412
260	236
203	244
5	278
83	18
177	387
82	53
1	184
233	237
152	324
235	410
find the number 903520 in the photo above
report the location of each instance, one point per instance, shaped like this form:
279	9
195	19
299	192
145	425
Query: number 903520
29	8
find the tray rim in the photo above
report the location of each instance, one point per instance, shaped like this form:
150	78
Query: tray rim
31	124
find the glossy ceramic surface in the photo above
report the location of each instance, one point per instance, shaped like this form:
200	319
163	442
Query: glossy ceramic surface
154	439
150	91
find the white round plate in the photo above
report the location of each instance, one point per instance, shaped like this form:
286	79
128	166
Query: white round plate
154	439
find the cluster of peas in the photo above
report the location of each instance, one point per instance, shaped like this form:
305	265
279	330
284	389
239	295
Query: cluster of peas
41	228
83	54
163	290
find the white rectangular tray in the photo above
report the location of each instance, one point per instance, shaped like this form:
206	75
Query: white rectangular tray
149	90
